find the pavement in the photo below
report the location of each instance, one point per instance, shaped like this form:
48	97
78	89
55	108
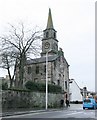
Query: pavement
19	112
12	112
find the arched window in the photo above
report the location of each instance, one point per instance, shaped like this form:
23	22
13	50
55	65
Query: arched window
58	82
47	34
54	35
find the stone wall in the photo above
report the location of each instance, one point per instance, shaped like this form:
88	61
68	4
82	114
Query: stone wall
17	99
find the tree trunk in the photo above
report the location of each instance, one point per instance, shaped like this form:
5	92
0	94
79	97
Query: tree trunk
11	80
21	70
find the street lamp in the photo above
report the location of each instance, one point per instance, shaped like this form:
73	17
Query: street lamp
47	79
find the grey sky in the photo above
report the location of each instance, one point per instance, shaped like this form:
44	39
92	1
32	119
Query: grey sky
74	21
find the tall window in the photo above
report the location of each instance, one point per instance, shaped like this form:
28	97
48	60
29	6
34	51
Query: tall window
45	68
58	82
54	64
66	84
37	69
54	35
29	70
47	34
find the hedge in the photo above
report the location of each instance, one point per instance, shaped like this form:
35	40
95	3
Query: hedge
41	87
4	86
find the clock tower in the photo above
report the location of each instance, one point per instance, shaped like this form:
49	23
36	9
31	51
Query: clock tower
49	41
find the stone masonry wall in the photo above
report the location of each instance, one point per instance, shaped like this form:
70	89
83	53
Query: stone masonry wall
17	99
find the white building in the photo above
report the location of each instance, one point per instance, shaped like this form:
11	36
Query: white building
75	92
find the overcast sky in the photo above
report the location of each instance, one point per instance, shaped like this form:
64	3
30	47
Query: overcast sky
74	21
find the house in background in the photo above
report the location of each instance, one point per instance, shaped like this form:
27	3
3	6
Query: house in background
75	92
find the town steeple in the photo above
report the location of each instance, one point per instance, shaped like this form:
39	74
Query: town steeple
49	22
49	41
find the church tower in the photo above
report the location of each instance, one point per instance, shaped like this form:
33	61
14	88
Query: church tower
49	41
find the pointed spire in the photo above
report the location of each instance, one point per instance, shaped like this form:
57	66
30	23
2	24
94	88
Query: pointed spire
50	22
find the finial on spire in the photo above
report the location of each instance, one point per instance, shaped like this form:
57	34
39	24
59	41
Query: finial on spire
50	22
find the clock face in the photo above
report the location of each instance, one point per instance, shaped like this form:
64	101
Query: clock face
47	45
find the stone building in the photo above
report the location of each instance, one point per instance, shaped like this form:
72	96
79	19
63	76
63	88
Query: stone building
58	68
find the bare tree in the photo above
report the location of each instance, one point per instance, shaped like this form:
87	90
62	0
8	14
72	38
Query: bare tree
17	45
7	62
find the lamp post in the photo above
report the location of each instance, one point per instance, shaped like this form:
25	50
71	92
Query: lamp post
46	80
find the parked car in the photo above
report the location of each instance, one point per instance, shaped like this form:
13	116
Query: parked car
89	103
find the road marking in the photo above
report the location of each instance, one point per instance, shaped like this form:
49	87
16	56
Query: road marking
81	113
74	113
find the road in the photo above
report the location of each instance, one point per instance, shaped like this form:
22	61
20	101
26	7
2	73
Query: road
74	111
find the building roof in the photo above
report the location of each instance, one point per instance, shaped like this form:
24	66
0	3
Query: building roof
42	59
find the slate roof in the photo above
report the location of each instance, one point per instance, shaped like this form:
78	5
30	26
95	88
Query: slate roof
42	59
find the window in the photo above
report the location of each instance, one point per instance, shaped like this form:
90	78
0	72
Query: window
54	64
37	69
29	70
66	84
87	100
45	68
54	35
35	79
47	34
59	75
58	82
